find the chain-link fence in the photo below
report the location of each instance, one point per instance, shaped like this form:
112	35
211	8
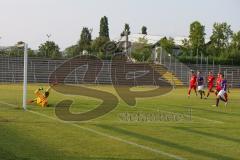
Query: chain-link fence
182	71
39	69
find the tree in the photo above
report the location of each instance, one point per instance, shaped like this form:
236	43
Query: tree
85	40
144	30
141	51
167	44
104	30
49	49
234	49
126	30
2	52
98	44
185	47
72	51
15	51
235	44
196	38
220	37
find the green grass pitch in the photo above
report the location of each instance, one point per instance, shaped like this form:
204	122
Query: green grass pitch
37	134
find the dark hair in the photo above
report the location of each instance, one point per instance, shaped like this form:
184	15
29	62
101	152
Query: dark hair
46	94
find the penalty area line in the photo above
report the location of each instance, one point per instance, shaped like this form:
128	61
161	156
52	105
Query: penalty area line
103	134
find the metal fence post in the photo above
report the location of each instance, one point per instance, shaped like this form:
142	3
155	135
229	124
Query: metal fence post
181	72
175	66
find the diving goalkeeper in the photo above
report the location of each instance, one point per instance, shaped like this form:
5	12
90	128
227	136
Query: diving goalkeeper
41	97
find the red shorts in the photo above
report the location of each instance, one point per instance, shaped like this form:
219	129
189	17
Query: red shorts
193	86
218	88
210	87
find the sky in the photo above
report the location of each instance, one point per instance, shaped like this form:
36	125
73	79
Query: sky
31	20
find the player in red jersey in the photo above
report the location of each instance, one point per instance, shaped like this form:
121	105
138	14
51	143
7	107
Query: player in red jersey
222	95
218	83
210	80
193	83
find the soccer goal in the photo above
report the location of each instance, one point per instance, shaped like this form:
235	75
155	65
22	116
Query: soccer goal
25	70
13	76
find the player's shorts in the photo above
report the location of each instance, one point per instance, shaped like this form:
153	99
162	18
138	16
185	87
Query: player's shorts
218	88
222	94
43	102
210	87
201	88
193	86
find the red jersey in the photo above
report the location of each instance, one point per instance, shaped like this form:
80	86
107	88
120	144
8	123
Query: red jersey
219	81
193	80
211	80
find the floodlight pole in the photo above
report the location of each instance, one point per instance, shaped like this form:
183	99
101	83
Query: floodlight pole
25	76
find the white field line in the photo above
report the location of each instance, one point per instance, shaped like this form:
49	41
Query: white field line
103	134
206	119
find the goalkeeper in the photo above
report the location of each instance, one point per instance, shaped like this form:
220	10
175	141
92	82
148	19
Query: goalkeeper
42	96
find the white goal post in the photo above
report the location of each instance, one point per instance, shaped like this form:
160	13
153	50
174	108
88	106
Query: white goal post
25	76
25	61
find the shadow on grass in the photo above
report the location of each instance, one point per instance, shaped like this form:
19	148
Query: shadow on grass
7	155
15	146
166	143
208	134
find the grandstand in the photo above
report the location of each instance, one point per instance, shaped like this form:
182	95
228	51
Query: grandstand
175	72
39	70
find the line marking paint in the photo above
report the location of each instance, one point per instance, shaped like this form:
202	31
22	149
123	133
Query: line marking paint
103	134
